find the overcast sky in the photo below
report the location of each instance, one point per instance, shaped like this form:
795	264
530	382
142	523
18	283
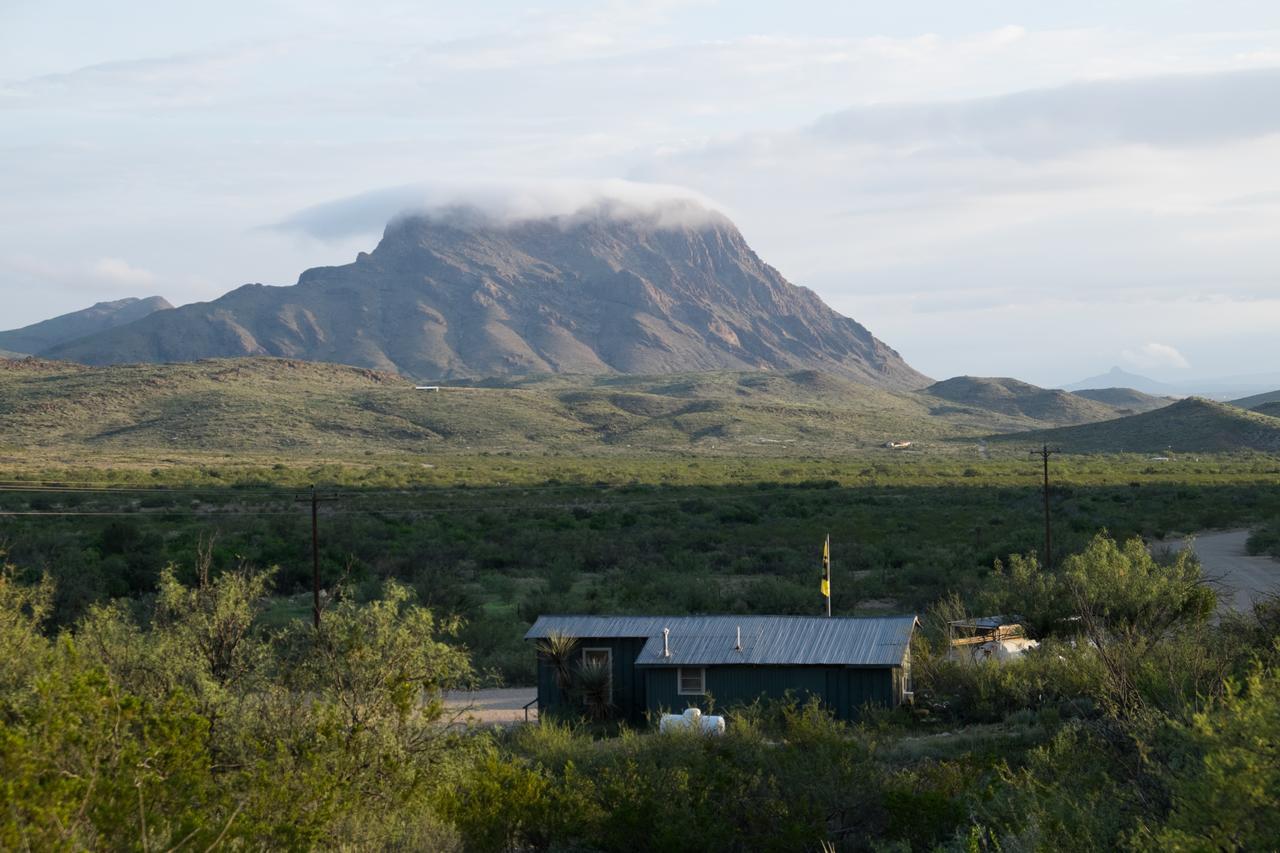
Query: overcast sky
1038	189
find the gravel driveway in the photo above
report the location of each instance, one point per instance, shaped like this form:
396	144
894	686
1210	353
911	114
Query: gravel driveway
495	706
1238	577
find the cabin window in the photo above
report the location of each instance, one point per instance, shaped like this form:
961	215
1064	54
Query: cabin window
604	656
693	682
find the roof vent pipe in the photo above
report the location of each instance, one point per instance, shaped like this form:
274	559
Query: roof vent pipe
666	646
737	646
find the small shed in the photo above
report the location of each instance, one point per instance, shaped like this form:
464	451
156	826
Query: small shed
999	638
669	663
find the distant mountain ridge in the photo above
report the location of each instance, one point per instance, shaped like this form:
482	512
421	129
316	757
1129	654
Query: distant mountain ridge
459	296
65	328
1119	378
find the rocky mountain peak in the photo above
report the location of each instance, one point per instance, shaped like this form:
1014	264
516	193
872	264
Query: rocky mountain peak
459	293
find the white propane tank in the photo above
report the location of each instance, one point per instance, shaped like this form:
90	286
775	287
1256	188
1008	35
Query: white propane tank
713	724
692	720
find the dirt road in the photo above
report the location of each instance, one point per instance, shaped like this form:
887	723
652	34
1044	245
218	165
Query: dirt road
1238	577
497	706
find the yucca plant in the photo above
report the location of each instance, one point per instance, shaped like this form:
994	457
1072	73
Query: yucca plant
557	649
594	686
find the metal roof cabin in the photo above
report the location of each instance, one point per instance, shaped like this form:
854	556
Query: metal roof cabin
668	663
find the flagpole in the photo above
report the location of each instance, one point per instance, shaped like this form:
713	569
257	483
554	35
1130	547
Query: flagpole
826	568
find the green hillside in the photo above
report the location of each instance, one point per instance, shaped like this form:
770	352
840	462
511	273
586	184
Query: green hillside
1193	425
281	407
1257	400
1271	409
1126	401
284	407
1017	399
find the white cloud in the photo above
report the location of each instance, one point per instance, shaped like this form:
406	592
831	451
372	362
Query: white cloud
504	203
1153	355
1166	111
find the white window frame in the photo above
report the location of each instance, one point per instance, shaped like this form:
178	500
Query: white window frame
609	653
702	681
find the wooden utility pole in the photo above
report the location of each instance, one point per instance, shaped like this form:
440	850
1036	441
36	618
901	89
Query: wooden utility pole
314	499
1044	453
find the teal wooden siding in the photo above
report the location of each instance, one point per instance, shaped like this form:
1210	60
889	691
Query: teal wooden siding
628	679
844	690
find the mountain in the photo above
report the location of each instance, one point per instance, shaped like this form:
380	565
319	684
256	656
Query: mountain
1019	399
1118	378
1257	400
1126	401
1271	409
461	296
41	336
1193	425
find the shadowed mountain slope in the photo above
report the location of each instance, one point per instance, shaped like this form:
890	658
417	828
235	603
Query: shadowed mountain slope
458	296
41	336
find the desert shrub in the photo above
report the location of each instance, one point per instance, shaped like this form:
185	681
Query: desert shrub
196	728
1265	539
1056	675
1225	787
556	786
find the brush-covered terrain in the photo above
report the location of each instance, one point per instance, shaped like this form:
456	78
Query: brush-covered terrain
1193	425
162	684
1257	400
279	407
1127	401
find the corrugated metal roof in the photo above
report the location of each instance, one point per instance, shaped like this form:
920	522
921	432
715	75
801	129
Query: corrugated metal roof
766	640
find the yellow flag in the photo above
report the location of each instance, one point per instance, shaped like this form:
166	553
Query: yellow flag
826	567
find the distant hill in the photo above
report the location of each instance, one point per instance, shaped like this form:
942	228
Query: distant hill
456	295
1126	401
1119	378
290	407
1257	400
1271	409
1020	399
41	336
1193	425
